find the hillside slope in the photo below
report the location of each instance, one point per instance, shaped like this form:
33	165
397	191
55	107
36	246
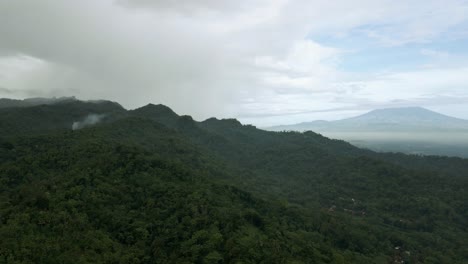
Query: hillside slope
150	186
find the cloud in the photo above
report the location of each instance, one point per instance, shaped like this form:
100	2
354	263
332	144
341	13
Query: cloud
89	120
435	54
424	87
127	56
187	6
224	58
5	91
416	22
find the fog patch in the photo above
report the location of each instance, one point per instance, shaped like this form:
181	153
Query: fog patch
433	137
89	120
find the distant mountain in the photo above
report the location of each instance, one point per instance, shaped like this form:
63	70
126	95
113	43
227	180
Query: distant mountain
6	102
412	130
385	120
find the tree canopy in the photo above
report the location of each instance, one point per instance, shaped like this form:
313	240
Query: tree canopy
149	186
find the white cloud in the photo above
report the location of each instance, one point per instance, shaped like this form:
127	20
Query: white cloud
450	82
224	58
305	68
417	21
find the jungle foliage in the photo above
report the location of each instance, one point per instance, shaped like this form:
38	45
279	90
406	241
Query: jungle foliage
150	186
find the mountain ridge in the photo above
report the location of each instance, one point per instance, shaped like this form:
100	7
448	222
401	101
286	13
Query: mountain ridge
414	118
150	186
412	130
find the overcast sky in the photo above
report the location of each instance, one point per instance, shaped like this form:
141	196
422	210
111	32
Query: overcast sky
264	62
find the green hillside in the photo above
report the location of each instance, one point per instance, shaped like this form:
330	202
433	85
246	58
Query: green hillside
150	186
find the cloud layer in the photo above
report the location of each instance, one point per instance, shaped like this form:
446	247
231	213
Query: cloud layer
265	62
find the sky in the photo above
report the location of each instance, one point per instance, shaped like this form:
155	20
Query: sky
264	62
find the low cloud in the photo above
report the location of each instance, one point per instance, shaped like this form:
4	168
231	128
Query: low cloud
90	120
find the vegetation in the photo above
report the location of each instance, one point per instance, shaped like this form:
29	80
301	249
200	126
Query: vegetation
149	186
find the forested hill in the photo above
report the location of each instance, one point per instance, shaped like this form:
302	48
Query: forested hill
90	182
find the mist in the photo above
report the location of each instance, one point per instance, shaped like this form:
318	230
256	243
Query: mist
454	144
417	136
90	120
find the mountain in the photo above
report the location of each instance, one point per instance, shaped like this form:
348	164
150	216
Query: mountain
408	116
151	186
412	130
5	102
61	115
384	120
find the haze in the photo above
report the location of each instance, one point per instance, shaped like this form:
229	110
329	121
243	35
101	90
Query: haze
263	62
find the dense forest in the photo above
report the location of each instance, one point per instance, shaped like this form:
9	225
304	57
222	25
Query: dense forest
150	186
